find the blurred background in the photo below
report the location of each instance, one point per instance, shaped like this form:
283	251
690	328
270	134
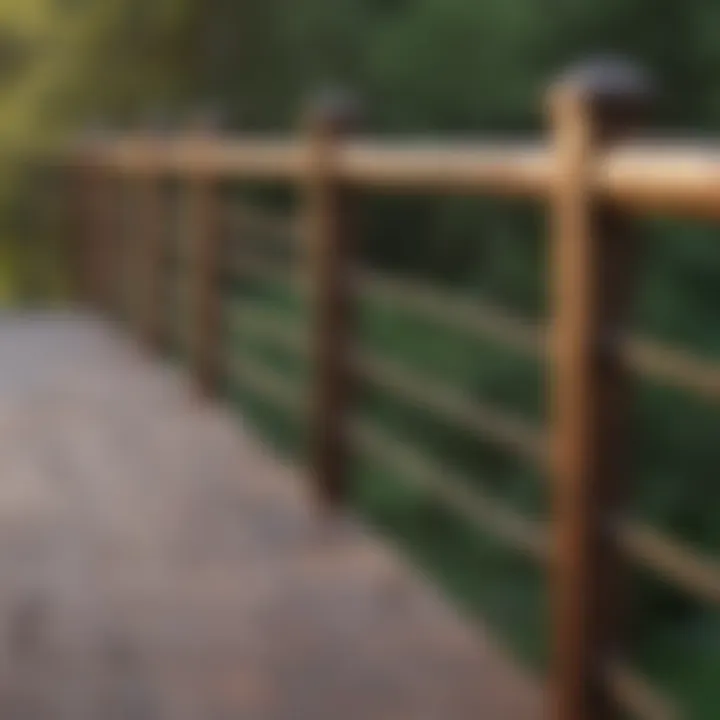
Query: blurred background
419	67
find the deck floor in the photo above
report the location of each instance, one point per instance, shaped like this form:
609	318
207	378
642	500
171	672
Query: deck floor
156	562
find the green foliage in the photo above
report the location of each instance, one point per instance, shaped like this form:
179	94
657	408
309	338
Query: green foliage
420	66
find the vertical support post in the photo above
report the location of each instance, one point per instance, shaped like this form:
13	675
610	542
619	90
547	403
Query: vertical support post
99	220
81	228
149	210
101	238
593	258
205	245
85	225
331	251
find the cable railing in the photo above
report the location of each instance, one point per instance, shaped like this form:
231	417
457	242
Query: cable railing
592	177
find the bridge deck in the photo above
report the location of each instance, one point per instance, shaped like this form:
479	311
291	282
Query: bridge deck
155	562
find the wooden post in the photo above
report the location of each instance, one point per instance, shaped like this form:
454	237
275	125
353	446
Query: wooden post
101	245
593	257
150	210
100	233
205	240
80	229
84	173
331	250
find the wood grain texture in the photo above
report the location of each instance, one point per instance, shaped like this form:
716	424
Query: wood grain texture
658	175
593	263
331	231
100	241
202	197
151	216
156	564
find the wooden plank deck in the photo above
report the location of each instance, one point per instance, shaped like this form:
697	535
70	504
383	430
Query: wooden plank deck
156	563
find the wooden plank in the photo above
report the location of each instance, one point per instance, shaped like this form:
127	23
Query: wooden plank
665	177
156	562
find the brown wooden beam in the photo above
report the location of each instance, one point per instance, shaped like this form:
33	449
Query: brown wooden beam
331	252
593	260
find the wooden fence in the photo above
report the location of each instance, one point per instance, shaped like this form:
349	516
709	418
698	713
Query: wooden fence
593	176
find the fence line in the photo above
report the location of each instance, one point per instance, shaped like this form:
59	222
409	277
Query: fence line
668	558
633	692
477	316
592	176
662	176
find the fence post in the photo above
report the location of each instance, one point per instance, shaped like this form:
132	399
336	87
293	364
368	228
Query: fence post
205	245
81	227
100	191
593	262
102	247
150	236
330	247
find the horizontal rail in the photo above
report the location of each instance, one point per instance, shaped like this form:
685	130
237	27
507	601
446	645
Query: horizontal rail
632	691
511	169
475	316
667	558
637	697
677	563
269	325
658	176
667	365
660	363
457	493
674	367
511	433
261	267
663	176
260	159
508	432
490	516
246	217
268	383
577	170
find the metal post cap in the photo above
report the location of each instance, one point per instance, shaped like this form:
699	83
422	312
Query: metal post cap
608	82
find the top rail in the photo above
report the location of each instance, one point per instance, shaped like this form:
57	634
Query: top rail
506	168
649	176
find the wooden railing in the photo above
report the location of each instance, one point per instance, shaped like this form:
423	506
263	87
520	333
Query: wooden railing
592	176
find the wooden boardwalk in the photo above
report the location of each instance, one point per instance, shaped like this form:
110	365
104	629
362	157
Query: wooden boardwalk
155	562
